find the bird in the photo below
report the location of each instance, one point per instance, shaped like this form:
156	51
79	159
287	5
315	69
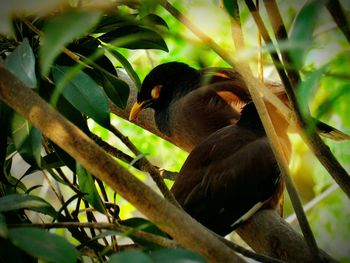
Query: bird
230	175
231	171
191	104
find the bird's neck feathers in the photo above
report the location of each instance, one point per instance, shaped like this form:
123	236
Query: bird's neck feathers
250	119
175	86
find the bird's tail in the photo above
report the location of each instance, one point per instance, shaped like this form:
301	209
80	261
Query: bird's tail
330	132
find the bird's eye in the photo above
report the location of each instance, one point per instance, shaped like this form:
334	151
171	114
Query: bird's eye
156	91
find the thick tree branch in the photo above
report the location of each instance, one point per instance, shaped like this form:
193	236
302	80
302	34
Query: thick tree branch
170	219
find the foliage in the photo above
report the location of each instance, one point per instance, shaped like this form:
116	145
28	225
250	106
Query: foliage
70	56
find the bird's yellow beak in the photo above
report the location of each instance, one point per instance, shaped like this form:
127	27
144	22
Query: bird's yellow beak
136	109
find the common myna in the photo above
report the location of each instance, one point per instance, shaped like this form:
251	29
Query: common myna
191	104
230	175
231	171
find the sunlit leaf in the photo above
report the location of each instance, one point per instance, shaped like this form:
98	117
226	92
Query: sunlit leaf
152	20
117	90
148	6
27	140
31	202
87	186
84	94
135	37
21	62
128	67
307	89
303	28
61	30
43	245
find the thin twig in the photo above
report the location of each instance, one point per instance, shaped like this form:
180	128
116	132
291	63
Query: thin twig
114	151
162	241
290	219
294	196
260	56
245	252
146	166
66	51
335	9
170	175
236	29
281	34
315	143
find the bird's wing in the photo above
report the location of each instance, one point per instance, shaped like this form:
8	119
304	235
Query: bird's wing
200	113
222	181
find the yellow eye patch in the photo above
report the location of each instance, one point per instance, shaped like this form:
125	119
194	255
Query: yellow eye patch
156	91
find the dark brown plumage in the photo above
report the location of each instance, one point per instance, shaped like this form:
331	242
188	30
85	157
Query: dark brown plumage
230	175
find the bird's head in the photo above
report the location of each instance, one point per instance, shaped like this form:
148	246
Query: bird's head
163	85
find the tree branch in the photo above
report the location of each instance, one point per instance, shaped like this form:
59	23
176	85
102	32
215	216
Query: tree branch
146	166
335	9
294	196
315	143
162	241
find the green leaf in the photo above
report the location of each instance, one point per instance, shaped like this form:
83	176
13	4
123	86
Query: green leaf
144	225
302	30
232	8
135	37
65	157
43	245
307	89
61	30
176	255
116	89
87	186
30	202
154	20
72	114
128	67
3	226
84	94
21	62
110	22
148	6
130	256
27	140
